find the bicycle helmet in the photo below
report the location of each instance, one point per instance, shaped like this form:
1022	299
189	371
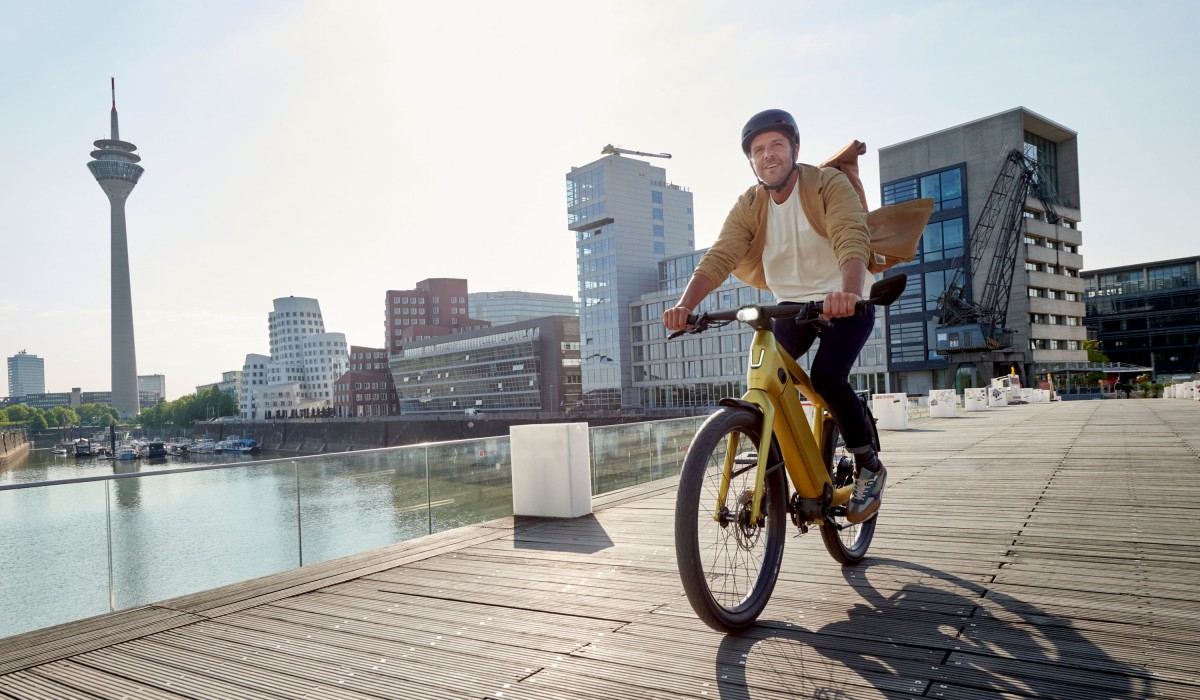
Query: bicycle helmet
770	120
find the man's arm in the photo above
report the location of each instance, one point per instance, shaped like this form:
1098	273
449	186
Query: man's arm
675	318
839	304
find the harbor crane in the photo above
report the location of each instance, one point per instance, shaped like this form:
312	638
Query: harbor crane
975	326
611	150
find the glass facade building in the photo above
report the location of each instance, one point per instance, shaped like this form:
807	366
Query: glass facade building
958	168
697	371
626	218
26	375
499	308
1147	314
528	366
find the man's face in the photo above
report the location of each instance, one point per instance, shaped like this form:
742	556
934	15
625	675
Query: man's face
772	157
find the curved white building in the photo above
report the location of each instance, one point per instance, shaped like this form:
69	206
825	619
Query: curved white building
304	363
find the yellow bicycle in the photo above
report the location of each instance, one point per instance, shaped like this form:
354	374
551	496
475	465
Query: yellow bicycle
734	499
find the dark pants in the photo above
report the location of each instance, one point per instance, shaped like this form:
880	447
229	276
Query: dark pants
840	345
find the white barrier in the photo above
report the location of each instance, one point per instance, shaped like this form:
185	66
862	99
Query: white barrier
1041	396
1169	391
1196	389
975	399
1188	391
551	470
891	411
997	396
943	403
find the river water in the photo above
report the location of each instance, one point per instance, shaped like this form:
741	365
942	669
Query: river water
69	551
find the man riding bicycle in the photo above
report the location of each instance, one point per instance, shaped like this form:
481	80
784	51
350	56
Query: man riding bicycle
801	232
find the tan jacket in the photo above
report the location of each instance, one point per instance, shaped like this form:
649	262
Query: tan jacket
835	207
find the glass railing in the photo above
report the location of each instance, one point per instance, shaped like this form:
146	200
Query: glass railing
75	548
635	453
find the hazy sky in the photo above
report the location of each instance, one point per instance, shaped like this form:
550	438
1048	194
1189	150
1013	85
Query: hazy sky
338	149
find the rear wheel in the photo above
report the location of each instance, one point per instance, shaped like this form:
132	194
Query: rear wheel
727	562
848	544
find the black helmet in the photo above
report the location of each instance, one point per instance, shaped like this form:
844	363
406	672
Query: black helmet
769	120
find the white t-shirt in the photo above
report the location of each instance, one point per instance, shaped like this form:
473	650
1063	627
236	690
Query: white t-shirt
798	262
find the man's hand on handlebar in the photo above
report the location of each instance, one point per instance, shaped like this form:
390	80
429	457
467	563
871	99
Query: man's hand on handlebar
676	318
840	304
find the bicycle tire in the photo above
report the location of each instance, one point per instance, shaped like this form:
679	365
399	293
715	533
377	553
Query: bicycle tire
849	544
728	569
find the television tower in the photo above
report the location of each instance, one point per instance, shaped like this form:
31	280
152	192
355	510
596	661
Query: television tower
115	168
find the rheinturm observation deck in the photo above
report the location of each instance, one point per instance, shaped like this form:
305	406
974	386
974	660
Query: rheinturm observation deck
116	168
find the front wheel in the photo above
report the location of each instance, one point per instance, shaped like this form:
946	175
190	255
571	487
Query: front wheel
847	542
727	562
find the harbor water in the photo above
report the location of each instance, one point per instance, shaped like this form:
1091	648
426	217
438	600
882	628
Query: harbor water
73	550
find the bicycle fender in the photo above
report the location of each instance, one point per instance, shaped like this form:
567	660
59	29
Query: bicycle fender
740	403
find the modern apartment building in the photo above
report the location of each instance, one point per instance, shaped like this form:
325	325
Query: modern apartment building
367	388
499	308
1147	314
695	371
526	366
436	307
304	363
26	375
958	168
626	217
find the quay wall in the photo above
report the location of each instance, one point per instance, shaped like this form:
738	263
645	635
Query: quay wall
14	444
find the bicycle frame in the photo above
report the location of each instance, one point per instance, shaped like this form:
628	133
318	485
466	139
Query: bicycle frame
774	383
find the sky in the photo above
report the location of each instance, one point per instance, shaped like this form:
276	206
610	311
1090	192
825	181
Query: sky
336	150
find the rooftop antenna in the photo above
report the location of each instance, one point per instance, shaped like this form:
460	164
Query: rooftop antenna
116	136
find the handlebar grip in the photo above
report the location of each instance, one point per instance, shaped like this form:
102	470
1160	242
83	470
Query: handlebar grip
691	322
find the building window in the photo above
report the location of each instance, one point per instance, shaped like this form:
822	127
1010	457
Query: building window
944	188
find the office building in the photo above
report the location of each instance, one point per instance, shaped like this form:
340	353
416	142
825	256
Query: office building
436	307
26	375
499	308
527	366
153	384
626	217
1147	314
304	363
696	371
366	389
76	397
115	168
958	168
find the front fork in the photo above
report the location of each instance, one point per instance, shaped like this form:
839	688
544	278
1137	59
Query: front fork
760	470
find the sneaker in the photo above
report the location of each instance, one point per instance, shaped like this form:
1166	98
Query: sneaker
868	492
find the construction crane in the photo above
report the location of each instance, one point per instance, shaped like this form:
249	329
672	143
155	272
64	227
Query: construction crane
967	325
611	150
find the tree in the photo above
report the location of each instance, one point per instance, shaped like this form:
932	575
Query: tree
37	422
17	414
1095	354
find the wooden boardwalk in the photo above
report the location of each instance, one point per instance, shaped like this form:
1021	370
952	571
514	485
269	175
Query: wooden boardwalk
1030	551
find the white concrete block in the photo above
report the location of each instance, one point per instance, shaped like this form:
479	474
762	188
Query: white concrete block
551	470
1041	396
997	396
943	403
975	399
1188	391
890	410
1169	391
1027	394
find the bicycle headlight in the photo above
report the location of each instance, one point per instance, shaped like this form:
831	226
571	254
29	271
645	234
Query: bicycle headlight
748	314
